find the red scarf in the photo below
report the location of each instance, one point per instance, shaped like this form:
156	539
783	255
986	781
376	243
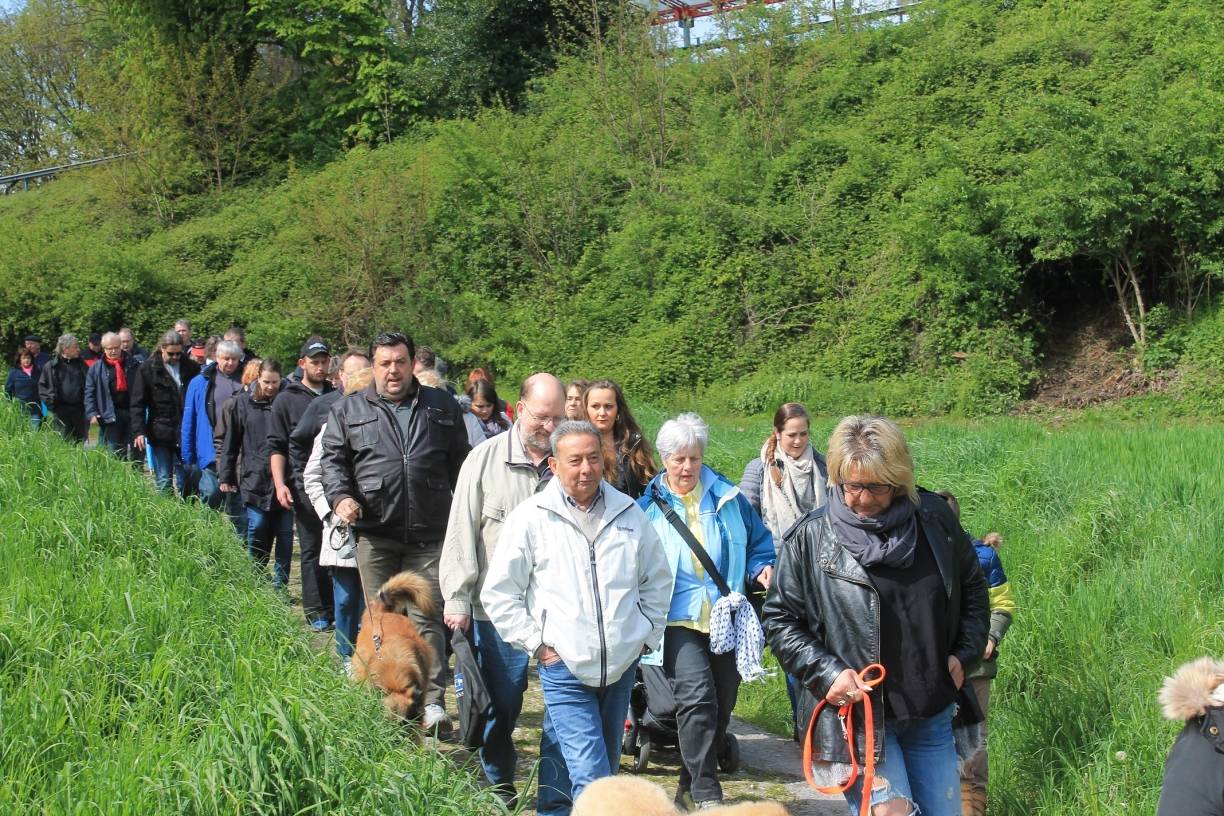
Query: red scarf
120	376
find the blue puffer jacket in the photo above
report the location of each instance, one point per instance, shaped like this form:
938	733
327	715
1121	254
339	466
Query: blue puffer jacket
736	539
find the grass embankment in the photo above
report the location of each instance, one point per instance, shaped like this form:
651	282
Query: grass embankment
1114	545
145	669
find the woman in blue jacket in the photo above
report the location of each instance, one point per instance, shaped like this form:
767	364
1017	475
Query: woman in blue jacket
22	383
741	548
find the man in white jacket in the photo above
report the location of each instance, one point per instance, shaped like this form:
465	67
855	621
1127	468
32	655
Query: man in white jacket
579	580
496	477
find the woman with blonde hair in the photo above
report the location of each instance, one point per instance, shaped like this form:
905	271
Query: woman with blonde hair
881	574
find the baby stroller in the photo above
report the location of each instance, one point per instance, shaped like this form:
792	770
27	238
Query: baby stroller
652	722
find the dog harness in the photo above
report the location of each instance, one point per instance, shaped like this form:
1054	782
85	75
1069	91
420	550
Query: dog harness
870	676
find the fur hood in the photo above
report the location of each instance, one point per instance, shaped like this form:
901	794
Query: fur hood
1193	689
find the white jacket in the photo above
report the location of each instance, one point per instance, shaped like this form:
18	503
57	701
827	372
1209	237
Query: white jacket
597	603
334	537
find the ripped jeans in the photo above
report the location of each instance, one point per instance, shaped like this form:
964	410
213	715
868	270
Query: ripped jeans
919	765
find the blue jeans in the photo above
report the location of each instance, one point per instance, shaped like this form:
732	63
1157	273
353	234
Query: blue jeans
167	467
505	671
348	603
262	528
588	725
919	765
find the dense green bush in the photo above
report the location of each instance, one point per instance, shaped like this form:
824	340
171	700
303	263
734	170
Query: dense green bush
894	213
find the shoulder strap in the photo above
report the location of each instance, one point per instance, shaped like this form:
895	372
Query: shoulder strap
685	533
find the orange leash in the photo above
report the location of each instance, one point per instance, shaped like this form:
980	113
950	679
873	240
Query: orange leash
871	676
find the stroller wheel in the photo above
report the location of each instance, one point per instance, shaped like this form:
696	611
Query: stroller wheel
641	757
729	756
629	743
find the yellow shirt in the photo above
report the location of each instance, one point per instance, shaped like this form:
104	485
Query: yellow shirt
692	516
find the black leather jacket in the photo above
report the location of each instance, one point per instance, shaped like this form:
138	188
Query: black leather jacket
403	485
822	613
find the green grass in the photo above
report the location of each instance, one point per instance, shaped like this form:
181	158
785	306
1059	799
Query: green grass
146	669
1114	545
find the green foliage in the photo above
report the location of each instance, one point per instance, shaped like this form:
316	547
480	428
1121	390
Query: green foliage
885	215
167	677
1114	554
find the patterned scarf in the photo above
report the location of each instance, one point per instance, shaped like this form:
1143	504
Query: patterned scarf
802	490
734	625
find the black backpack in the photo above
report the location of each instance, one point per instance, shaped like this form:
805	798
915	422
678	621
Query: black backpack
471	693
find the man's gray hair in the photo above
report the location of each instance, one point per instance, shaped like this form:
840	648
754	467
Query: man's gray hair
170	338
110	337
685	431
184	322
229	348
64	341
570	427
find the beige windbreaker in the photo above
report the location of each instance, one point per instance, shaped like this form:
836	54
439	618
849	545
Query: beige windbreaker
495	478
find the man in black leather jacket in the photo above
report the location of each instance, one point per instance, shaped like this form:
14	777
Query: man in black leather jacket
822	613
391	458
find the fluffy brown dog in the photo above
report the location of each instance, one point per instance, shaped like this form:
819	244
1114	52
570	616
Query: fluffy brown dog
623	794
391	654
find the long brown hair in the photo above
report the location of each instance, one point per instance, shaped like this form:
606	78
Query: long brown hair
787	411
624	431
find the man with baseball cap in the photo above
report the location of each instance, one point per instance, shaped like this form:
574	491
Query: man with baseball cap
33	344
314	362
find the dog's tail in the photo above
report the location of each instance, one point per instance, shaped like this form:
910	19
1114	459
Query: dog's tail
408	588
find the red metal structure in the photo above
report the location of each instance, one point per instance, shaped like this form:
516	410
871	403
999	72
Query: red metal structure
678	11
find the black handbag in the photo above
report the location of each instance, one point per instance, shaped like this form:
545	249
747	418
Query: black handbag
471	692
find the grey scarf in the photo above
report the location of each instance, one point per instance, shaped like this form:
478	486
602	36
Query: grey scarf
889	539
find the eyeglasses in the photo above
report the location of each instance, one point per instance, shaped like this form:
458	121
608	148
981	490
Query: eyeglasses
544	421
874	488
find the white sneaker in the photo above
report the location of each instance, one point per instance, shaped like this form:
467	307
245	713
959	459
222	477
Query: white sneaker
347	663
435	716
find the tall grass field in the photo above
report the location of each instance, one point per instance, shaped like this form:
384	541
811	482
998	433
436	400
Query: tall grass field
1114	546
146	669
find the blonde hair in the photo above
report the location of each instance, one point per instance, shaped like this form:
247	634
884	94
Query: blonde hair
429	377
358	380
877	446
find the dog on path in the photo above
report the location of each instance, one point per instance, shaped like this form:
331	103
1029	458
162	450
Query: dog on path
390	653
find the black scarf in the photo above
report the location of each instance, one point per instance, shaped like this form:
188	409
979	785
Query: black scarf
889	539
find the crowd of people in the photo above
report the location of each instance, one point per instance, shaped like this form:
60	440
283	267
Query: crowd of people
552	529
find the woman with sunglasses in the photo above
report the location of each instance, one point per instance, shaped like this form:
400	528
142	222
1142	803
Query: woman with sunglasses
883	573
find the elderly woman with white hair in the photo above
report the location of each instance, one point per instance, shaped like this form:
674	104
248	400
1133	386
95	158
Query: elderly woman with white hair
881	574
704	521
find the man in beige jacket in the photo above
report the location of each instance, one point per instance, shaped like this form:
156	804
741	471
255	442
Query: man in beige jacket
496	477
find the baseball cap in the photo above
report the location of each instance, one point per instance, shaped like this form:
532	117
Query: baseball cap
314	347
33	338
